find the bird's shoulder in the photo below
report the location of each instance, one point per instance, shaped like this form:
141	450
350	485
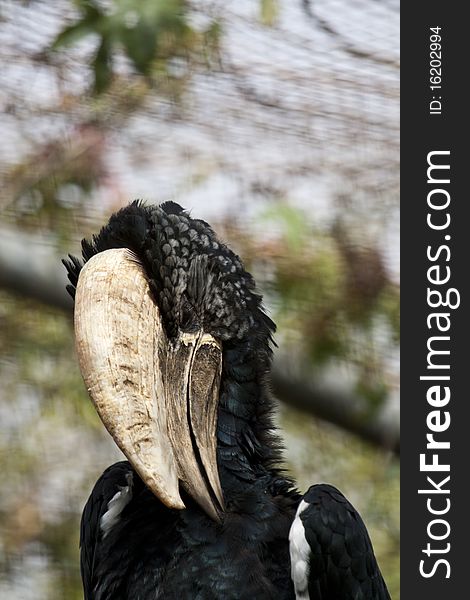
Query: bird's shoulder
113	481
331	551
109	523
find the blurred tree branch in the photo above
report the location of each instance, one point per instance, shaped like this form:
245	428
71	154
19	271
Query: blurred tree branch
29	267
330	402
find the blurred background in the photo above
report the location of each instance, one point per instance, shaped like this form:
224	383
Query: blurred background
274	120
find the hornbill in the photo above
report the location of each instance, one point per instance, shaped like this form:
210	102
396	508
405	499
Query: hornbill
175	350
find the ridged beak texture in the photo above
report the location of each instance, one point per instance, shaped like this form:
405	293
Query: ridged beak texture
157	398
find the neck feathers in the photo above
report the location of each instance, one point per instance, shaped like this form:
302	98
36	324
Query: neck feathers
249	451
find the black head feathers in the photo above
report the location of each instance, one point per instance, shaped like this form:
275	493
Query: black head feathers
197	281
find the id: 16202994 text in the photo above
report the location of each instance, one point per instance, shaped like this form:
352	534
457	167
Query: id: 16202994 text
435	70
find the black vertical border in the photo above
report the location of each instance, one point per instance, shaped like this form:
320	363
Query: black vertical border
422	133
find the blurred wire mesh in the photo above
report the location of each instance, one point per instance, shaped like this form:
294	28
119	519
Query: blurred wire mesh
297	104
305	107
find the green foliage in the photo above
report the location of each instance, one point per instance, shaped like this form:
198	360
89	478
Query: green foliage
292	223
149	32
161	48
269	12
45	403
333	296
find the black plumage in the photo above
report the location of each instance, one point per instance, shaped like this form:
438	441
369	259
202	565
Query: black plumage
342	561
143	550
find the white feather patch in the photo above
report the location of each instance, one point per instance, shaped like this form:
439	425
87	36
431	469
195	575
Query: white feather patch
116	505
299	555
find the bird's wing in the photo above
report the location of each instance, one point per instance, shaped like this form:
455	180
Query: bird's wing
112	492
331	553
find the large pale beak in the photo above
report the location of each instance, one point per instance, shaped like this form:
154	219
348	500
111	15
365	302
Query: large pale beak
158	399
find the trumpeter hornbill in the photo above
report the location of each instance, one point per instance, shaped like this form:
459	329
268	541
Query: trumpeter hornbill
175	350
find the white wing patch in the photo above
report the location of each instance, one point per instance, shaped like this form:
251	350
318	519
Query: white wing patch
116	505
299	555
